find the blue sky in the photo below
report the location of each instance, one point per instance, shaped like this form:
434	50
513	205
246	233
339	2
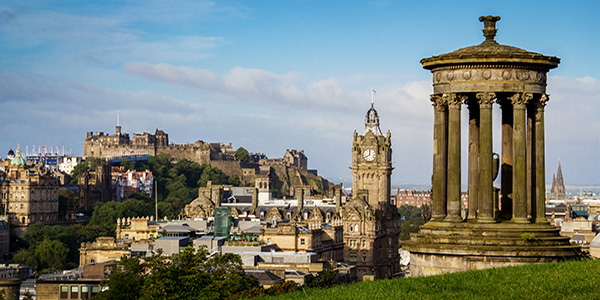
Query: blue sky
276	75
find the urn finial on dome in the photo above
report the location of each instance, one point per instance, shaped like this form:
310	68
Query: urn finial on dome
489	30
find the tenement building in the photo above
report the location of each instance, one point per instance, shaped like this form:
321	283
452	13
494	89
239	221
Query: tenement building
492	235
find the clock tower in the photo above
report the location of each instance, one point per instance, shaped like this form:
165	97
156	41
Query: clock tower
371	223
372	162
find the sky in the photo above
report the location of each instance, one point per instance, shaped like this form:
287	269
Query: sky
277	75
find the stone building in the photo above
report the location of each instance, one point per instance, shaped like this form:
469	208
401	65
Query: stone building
558	191
326	240
295	158
102	250
371	222
491	235
137	229
28	193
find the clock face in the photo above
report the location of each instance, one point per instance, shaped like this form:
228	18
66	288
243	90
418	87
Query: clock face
369	155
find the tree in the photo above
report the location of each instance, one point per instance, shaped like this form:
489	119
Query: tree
187	275
128	165
324	279
89	164
411	220
66	202
242	154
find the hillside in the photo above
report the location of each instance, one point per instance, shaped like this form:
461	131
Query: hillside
568	280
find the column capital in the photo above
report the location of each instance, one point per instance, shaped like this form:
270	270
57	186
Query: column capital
453	100
438	101
520	100
486	99
540	104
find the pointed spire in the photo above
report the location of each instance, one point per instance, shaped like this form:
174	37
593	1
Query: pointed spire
558	190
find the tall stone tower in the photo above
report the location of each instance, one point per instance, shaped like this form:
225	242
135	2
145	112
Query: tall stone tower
558	190
371	223
372	162
492	235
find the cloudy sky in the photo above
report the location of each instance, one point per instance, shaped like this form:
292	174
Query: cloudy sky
277	75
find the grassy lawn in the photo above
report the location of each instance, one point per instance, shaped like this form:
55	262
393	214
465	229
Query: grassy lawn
567	280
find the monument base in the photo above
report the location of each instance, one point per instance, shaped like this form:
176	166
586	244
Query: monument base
442	247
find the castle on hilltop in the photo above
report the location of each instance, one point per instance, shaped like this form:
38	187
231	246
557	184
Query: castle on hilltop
283	172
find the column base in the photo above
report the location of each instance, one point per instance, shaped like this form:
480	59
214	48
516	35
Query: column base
542	221
486	220
520	220
453	219
438	218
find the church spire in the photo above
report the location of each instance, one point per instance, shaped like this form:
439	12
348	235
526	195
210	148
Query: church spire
558	190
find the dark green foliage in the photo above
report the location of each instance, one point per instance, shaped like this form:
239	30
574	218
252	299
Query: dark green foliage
411	222
54	247
128	165
89	164
188	275
242	154
66	202
324	279
105	215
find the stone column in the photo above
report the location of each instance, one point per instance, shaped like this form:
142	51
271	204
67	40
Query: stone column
453	192
440	158
530	111
519	102
486	179
507	158
540	163
473	106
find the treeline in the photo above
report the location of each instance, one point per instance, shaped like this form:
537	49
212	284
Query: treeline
195	275
412	217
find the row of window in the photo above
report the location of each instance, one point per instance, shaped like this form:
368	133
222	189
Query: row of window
78	292
354	244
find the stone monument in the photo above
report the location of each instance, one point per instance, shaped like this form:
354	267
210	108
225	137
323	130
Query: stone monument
506	226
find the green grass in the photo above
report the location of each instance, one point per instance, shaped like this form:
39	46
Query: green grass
567	280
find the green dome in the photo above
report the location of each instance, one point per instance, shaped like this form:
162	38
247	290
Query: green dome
18	160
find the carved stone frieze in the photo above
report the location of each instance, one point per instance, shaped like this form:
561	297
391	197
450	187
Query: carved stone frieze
507	73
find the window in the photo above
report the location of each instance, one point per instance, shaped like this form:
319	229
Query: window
364	244
364	257
85	292
269	241
95	290
353	256
74	292
64	291
302	242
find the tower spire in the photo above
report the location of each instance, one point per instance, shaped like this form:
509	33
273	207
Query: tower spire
372	119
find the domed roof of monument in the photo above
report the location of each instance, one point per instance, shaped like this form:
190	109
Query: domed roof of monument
10	153
18	160
490	51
